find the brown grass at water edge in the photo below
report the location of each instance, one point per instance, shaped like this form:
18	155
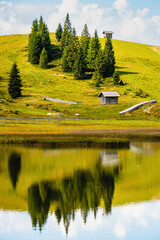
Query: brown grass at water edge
150	134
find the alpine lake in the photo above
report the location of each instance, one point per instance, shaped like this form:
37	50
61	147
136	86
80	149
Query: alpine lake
80	193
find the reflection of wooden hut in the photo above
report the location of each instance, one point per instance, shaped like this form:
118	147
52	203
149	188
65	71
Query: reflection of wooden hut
109	158
109	97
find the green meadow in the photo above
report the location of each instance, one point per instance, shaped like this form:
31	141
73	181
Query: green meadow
138	65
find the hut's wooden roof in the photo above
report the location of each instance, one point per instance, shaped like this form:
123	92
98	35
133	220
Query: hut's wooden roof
109	94
108	32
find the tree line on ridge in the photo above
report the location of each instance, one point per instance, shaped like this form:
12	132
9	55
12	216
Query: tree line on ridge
82	56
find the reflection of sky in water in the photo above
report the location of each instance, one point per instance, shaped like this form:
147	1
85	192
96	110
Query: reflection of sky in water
131	222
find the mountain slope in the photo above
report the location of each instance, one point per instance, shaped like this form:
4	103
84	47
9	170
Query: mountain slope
138	65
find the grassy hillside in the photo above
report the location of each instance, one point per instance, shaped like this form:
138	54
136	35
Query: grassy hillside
138	65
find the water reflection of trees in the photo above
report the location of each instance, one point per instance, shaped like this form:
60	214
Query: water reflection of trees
14	167
38	203
85	190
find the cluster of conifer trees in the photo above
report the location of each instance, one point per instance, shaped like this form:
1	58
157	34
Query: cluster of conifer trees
79	56
39	47
86	54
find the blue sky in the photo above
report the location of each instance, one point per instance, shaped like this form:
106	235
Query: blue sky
131	20
153	5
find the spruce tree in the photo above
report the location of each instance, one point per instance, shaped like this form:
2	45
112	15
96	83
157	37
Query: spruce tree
64	61
116	78
46	42
32	37
15	85
40	26
85	40
43	62
79	65
94	47
59	32
99	63
38	39
70	52
34	26
99	66
109	59
66	34
35	47
97	78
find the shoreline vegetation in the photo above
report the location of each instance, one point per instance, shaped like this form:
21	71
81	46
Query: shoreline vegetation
67	141
93	136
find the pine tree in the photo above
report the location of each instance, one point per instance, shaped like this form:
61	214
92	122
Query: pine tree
66	34
97	78
109	59
94	47
85	39
38	39
46	42
43	62
15	85
64	61
116	78
34	26
79	66
41	23
99	66
99	63
59	32
70	52
32	37
35	47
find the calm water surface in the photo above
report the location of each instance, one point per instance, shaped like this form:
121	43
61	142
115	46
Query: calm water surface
80	193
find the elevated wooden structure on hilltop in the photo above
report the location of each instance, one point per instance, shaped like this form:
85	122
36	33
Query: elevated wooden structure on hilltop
108	33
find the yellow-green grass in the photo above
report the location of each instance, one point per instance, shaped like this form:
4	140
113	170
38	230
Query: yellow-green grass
70	126
137	64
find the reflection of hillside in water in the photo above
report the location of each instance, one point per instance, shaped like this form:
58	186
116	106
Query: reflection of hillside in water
84	190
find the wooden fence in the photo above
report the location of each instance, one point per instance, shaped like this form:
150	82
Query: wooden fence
58	120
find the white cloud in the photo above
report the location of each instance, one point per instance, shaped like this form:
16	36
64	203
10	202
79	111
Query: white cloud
120	5
124	220
126	23
143	12
70	6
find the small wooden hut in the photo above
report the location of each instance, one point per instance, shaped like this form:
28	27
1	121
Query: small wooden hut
109	98
108	33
